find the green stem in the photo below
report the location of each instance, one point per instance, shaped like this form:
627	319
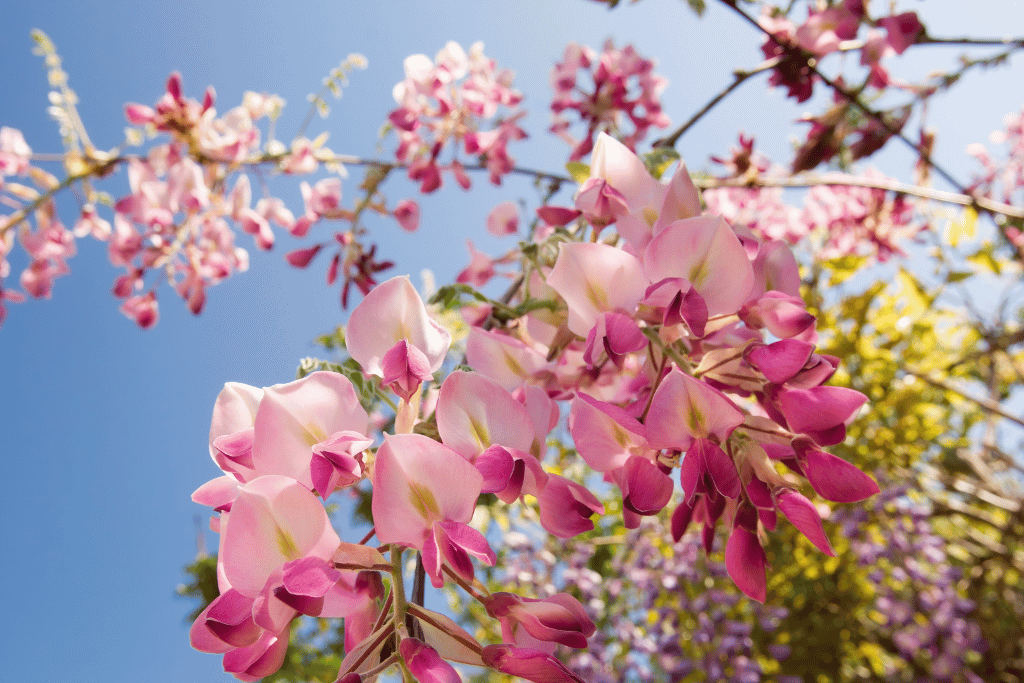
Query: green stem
465	585
398	587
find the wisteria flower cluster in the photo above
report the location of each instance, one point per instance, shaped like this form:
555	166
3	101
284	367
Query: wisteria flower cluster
669	623
651	333
932	624
657	350
622	85
1006	174
674	618
794	52
453	98
1009	174
188	195
823	33
839	220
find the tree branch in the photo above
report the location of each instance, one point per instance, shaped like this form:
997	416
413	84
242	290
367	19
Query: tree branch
812	180
983	403
853	99
738	78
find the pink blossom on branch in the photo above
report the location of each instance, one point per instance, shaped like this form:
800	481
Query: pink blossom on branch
621	86
392	312
15	154
407	213
424	494
453	99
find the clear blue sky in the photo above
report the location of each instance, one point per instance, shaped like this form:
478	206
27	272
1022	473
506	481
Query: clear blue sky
103	426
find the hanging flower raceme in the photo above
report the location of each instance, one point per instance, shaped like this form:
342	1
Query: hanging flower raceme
624	87
276	561
682	346
662	348
454	98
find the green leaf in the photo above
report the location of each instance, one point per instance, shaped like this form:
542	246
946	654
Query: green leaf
332	341
578	170
842	268
659	159
984	260
962	228
697	6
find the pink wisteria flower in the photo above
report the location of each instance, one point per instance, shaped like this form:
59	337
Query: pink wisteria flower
275	561
530	622
424	494
672	341
15	154
453	99
391	336
312	430
621	86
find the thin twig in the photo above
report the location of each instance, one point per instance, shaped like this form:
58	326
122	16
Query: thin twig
813	180
983	403
928	40
738	78
852	98
368	536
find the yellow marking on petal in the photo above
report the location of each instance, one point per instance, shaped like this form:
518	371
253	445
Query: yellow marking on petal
695	420
480	433
286	544
699	273
313	434
597	297
423	500
650	215
513	364
620	435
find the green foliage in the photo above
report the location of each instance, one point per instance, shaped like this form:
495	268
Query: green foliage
202	584
457	295
936	374
659	159
315	650
578	171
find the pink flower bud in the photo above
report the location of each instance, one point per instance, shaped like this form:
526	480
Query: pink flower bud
503	220
407	213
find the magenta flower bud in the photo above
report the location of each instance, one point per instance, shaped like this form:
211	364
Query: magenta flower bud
820	412
902	29
781	361
783	315
405	367
600	203
337	461
228	619
804	516
558	215
834	479
533	665
305	582
645	489
558	619
425	664
744	557
407	213
566	507
234	449
616	334
260	659
300	258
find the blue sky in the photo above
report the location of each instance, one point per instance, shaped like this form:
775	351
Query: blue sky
103	426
